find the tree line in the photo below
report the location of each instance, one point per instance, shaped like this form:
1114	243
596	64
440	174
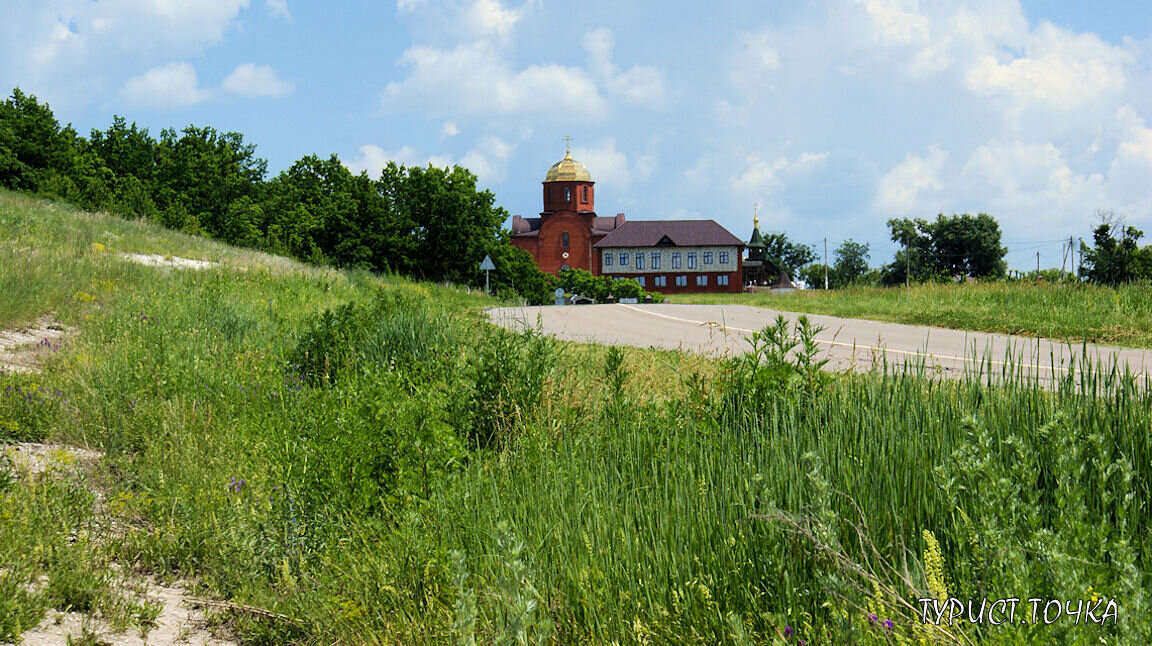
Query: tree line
963	246
428	223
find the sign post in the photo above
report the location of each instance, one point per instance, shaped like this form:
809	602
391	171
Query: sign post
487	266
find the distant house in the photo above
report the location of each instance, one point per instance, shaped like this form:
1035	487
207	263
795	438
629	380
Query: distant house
669	256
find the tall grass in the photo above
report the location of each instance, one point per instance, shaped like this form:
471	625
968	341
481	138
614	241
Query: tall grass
449	482
1060	311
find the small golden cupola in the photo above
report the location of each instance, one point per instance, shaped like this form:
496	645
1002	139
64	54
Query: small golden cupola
568	170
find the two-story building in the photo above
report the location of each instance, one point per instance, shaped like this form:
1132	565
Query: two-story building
671	256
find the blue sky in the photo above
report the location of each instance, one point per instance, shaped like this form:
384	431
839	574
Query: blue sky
832	116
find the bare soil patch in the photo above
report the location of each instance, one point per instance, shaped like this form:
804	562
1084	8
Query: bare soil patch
22	348
156	260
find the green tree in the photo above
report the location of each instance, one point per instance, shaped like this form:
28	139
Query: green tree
311	210
206	171
957	245
455	224
1115	257
517	272
125	150
786	254
34	149
851	263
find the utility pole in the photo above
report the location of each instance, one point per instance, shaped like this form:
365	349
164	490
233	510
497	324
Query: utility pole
1037	265
825	263
1080	265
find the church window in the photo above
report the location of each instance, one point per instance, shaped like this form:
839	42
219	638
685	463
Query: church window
585	193
702	280
691	259
565	267
548	194
656	260
567	194
722	280
723	257
623	259
707	257
661	281
607	260
681	281
639	261
564	239
676	260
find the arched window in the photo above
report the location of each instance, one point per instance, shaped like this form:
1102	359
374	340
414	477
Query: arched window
585	193
567	194
564	239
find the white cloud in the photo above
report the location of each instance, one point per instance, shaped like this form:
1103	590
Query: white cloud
170	86
762	175
475	79
1129	173
898	22
373	159
1062	72
489	17
249	79
1017	178
449	129
640	84
899	192
73	50
610	166
488	160
278	9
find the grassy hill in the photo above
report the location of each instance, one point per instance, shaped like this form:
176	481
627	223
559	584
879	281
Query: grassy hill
349	458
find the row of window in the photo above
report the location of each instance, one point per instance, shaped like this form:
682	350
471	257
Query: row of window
681	280
655	257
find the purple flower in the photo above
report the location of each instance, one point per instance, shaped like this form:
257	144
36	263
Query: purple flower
787	631
888	624
872	617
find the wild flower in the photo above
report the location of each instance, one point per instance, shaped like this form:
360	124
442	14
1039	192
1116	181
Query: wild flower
236	485
787	631
888	624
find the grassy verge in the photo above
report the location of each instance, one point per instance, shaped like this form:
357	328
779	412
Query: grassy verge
1117	316
366	461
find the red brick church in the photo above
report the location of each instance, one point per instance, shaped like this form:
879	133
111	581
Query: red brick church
667	256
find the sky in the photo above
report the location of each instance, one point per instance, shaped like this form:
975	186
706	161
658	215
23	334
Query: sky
827	118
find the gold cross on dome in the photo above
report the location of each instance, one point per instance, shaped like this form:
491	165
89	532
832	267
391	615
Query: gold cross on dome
567	144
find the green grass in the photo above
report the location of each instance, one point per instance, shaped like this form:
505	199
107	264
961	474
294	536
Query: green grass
396	471
1063	311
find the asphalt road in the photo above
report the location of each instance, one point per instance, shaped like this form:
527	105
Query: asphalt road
849	344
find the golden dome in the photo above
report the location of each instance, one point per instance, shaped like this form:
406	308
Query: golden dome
568	170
